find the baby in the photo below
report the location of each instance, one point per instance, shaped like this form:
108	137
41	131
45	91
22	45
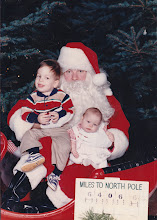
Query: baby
90	140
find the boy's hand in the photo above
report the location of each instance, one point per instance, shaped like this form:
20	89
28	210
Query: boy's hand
44	118
54	116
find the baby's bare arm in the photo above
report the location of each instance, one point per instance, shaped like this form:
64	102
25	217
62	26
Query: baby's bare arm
73	149
110	136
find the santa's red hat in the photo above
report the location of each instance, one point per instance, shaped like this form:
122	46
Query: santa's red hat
76	55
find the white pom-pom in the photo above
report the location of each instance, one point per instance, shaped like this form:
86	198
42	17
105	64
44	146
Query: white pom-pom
99	79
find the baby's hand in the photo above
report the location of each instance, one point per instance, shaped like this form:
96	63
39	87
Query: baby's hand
44	118
110	136
54	116
75	153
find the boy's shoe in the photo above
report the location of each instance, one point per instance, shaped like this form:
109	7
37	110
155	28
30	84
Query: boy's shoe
52	181
33	161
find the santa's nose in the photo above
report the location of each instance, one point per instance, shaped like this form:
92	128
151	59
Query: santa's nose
74	75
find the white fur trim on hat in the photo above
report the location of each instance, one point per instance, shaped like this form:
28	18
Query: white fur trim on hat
58	197
18	125
73	58
35	176
121	143
99	79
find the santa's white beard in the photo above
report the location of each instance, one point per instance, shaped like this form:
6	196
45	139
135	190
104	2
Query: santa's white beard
84	94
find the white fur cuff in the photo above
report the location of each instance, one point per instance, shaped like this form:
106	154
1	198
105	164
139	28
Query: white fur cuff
58	197
18	125
60	122
120	144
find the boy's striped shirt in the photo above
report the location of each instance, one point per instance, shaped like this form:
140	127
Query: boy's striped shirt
37	103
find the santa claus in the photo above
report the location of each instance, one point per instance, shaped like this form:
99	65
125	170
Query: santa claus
87	87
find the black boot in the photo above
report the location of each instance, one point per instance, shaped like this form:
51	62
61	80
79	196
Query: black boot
8	192
39	201
18	189
36	207
46	205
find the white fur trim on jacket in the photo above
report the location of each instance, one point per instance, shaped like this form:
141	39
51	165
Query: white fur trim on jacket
35	176
58	197
108	92
121	143
18	125
60	122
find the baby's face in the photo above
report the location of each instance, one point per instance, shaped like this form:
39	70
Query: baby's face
90	122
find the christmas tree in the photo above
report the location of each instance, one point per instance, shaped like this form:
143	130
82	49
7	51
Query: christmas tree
135	49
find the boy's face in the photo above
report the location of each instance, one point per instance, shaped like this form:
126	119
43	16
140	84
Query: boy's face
45	80
90	122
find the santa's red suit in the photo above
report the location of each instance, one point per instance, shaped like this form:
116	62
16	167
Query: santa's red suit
74	56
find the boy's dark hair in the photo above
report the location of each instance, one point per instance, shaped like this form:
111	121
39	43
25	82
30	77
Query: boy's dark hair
54	66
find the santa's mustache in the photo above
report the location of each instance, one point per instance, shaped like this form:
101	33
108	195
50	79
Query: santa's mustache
76	86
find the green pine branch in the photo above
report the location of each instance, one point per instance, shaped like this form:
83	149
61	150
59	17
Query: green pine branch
144	6
39	17
18	36
129	42
90	215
